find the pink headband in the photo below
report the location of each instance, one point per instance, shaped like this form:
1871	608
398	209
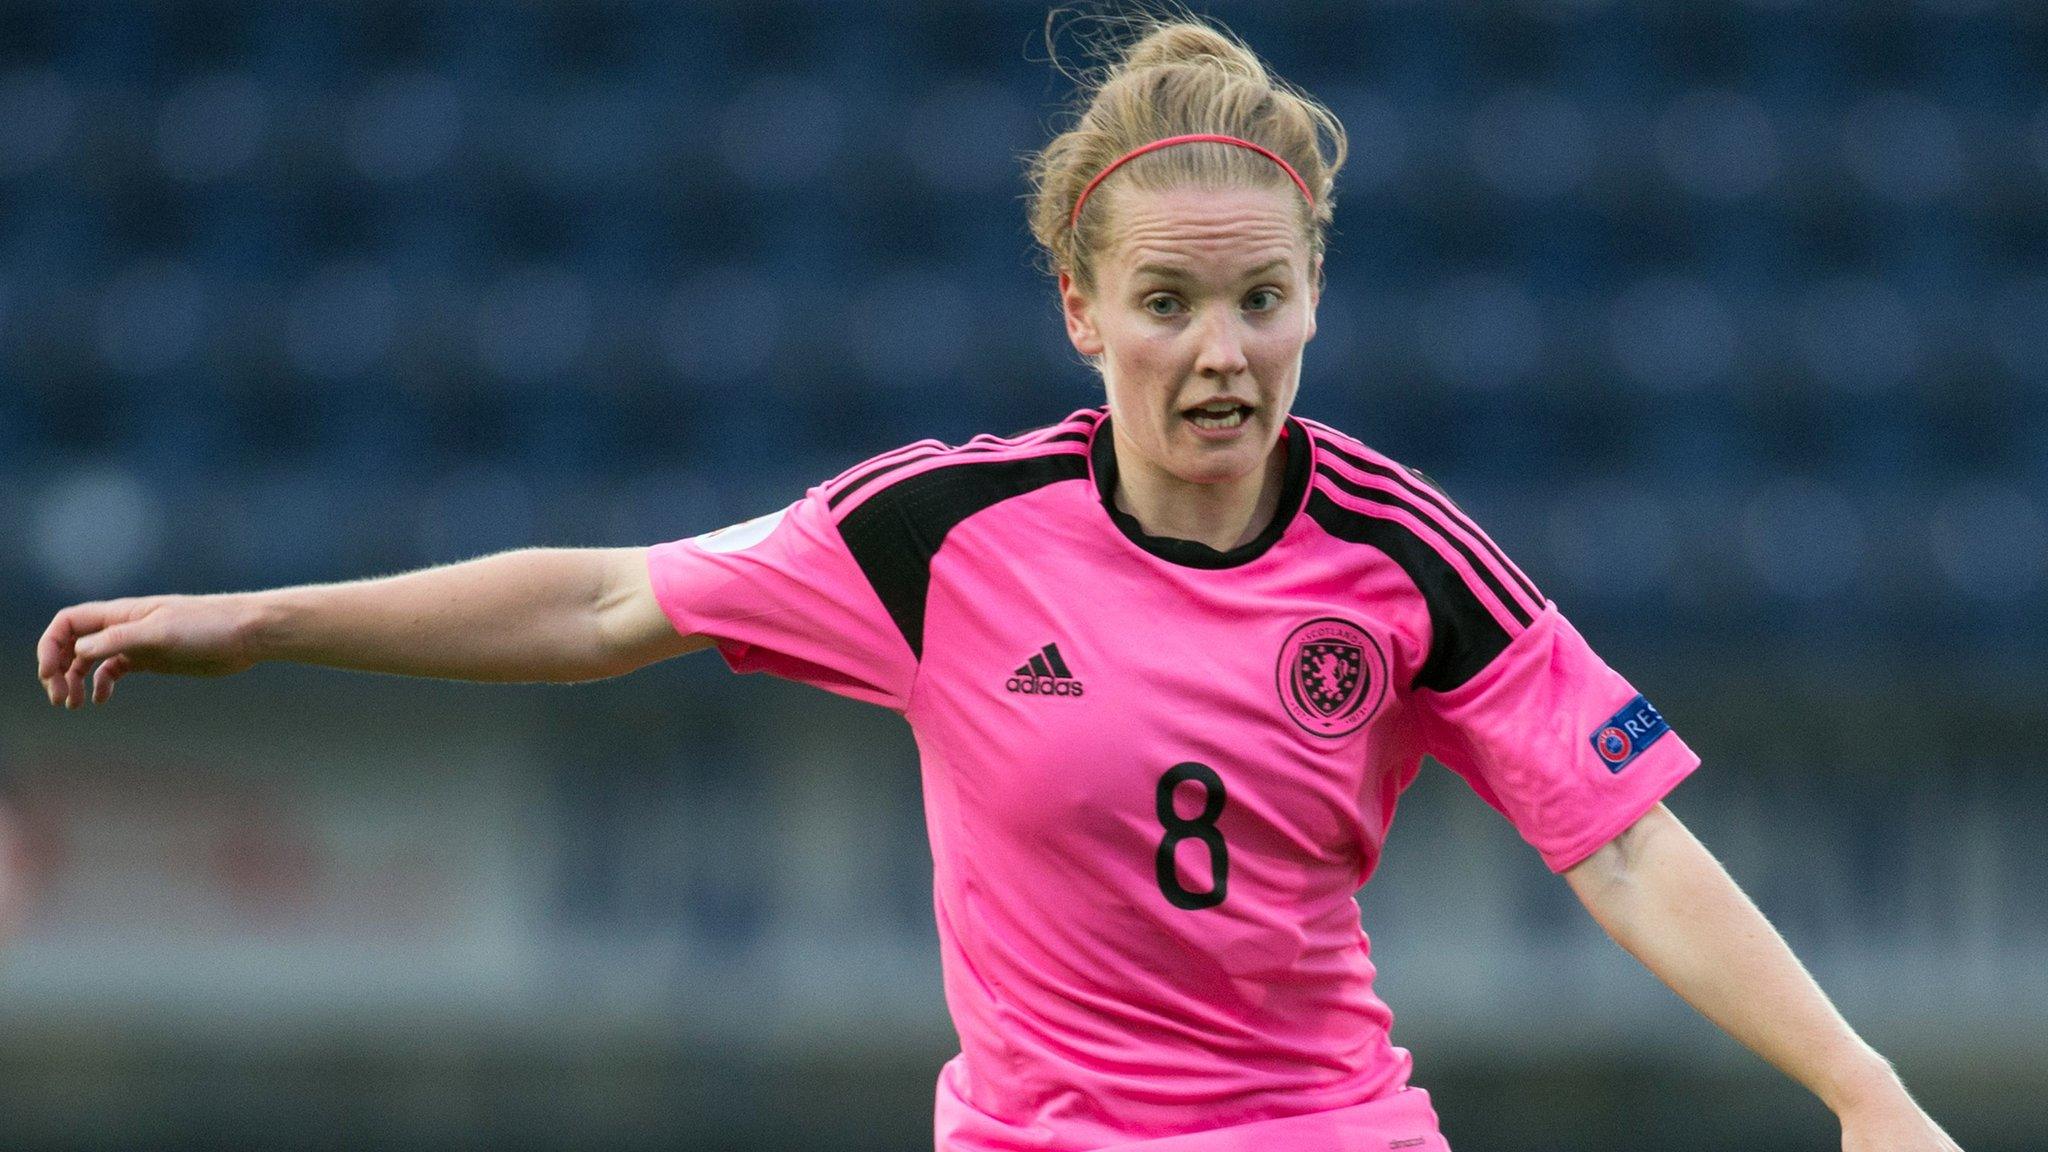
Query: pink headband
1197	138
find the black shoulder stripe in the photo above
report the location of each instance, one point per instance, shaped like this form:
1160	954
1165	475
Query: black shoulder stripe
872	474
865	478
1485	572
1430	491
1353	488
1464	636
895	534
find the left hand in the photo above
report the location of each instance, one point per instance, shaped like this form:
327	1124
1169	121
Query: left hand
1893	1123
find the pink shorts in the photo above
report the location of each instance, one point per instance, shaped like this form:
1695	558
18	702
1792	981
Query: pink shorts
1400	1122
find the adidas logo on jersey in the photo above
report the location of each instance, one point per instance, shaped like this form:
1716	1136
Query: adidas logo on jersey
1045	674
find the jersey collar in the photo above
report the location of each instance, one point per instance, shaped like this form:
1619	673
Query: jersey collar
1294	440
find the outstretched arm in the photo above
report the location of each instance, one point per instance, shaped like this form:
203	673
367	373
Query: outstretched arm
1662	896
539	614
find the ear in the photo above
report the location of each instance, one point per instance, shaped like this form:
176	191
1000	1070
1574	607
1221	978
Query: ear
1080	315
1315	297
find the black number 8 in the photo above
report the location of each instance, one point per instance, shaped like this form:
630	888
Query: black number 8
1201	828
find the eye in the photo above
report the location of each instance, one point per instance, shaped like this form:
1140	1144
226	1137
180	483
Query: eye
1262	300
1161	305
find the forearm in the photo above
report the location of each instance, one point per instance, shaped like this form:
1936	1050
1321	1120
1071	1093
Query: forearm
529	615
1662	896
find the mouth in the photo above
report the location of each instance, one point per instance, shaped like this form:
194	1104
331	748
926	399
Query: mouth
1218	415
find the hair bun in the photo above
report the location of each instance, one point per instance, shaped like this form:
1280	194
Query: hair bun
1170	45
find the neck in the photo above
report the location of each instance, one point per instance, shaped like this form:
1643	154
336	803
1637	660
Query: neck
1222	515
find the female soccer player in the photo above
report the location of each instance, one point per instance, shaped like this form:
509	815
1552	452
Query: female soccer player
1169	665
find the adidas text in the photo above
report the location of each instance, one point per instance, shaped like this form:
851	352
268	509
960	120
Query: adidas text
1043	686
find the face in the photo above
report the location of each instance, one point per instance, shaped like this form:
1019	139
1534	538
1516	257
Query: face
1198	317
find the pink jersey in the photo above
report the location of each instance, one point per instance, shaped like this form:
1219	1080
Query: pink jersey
1155	774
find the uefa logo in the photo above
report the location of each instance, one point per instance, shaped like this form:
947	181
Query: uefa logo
1614	745
1332	677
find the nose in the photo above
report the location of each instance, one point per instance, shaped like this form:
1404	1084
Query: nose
1220	355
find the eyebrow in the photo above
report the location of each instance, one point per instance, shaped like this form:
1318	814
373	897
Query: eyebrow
1167	272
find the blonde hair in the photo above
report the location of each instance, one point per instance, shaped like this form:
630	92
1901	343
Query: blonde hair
1176	75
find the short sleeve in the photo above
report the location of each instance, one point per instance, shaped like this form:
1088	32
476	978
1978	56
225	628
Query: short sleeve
1556	740
782	594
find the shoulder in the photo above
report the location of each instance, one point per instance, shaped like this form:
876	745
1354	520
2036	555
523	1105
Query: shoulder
984	470
1334	447
1478	600
893	512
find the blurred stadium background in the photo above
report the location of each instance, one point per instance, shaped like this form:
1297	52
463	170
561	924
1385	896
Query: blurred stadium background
1729	319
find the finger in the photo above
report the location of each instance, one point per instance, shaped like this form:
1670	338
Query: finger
53	651
110	670
74	682
113	639
60	640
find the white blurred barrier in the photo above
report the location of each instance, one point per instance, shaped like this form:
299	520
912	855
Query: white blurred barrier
296	851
